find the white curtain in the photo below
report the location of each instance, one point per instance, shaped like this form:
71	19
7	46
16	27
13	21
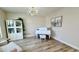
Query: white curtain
0	32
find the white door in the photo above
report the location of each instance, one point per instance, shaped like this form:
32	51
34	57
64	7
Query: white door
15	30
18	29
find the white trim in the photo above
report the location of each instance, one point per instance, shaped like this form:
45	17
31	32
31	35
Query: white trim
73	46
29	35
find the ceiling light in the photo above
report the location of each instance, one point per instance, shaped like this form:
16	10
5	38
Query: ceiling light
33	11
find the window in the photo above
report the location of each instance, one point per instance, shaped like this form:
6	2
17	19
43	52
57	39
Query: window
0	33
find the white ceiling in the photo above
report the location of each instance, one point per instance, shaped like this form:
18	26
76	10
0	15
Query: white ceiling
43	11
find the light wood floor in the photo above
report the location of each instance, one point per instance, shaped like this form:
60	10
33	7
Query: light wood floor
37	45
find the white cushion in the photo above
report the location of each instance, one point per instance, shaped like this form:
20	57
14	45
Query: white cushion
11	47
42	36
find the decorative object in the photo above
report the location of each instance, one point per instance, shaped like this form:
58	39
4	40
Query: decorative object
33	11
57	21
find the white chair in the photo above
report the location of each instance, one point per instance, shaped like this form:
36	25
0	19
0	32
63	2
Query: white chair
43	37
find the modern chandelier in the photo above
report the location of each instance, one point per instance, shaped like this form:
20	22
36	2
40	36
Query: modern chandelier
33	11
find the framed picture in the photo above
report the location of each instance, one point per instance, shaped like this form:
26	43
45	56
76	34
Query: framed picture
57	21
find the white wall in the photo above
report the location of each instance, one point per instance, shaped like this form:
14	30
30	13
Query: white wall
69	32
2	24
31	22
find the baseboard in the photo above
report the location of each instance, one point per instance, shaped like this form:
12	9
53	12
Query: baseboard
30	36
73	46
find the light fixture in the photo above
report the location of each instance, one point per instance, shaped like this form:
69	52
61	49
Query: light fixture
33	11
